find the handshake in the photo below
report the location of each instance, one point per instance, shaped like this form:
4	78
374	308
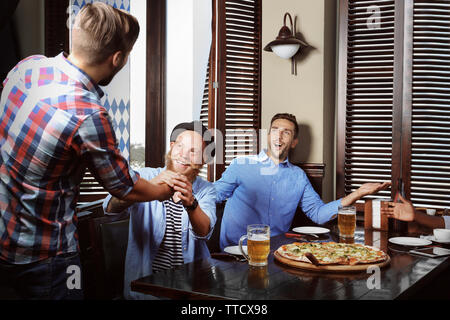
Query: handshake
172	184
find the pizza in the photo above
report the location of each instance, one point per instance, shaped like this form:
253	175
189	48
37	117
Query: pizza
329	253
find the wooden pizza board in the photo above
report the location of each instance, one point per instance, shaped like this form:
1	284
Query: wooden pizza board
329	268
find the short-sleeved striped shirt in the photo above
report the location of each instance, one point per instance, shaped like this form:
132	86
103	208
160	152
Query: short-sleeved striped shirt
170	252
52	127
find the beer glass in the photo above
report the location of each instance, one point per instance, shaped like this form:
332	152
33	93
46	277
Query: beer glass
347	221
258	244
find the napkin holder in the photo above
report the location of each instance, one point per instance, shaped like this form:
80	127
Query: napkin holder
373	220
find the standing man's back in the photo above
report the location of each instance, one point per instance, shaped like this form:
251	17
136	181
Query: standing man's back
51	115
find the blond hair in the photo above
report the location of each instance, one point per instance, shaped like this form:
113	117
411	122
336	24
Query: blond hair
100	30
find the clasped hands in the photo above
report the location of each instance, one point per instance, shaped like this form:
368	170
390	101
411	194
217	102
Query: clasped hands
174	185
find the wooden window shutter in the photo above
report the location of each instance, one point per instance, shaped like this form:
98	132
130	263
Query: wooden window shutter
407	93
232	100
204	116
239	69
207	112
366	96
430	125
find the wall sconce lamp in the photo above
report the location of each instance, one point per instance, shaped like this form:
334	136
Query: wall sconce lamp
286	45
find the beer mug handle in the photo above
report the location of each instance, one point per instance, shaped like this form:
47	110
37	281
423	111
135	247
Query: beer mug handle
241	240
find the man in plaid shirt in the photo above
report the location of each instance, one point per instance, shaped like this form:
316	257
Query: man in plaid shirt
52	126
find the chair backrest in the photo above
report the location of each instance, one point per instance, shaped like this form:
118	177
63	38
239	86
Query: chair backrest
114	239
214	241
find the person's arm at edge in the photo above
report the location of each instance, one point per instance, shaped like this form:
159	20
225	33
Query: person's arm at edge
432	222
404	211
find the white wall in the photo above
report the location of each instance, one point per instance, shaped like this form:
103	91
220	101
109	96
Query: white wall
310	95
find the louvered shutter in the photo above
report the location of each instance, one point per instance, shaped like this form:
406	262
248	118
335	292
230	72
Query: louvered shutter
90	189
430	128
205	110
365	127
236	112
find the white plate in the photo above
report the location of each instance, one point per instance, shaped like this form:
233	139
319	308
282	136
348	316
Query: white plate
235	250
433	238
311	230
410	241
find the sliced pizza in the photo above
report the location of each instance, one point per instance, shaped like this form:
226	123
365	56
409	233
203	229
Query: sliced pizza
327	253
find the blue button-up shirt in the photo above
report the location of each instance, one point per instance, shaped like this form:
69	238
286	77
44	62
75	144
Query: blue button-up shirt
148	225
259	191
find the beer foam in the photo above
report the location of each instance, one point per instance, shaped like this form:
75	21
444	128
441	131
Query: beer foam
347	212
258	237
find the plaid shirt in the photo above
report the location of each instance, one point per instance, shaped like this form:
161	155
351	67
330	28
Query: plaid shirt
52	127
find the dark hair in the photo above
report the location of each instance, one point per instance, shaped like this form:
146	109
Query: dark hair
289	117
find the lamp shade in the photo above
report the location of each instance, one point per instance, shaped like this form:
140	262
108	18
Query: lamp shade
285	45
285	51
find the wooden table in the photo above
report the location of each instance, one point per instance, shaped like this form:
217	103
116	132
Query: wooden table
210	278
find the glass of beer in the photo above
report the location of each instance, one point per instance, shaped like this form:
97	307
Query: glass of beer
347	221
258	244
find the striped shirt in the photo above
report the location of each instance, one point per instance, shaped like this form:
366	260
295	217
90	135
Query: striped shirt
170	253
52	126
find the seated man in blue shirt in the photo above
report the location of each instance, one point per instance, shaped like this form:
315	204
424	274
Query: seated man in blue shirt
166	234
267	188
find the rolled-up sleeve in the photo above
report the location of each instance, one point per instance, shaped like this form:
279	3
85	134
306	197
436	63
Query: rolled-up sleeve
98	145
207	202
123	214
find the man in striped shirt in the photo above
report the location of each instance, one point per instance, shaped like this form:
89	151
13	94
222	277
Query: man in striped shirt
53	126
166	234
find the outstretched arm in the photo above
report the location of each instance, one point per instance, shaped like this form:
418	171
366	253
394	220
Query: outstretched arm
364	190
159	188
